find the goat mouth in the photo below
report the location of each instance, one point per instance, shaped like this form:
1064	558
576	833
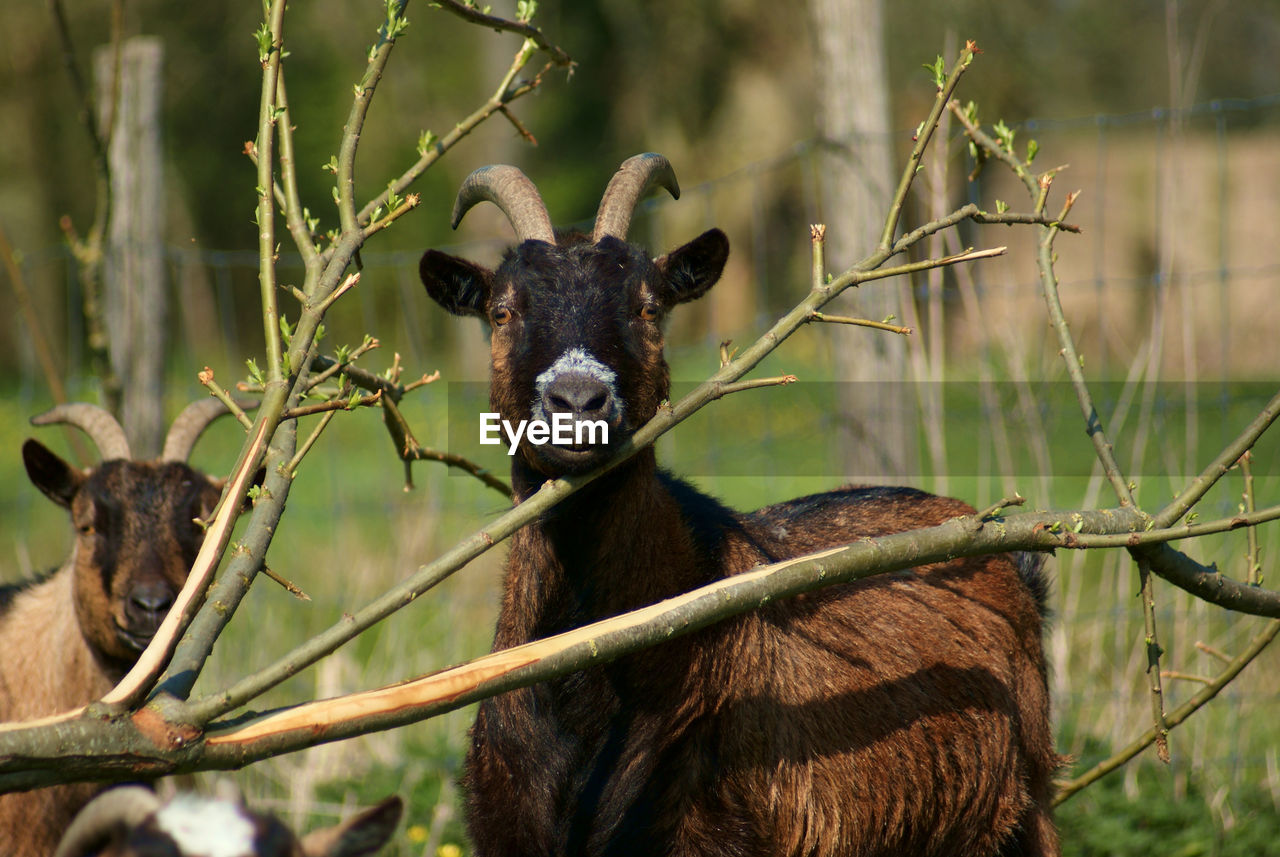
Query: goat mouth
573	458
134	641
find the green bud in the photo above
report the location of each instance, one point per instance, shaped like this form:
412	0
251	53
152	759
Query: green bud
938	69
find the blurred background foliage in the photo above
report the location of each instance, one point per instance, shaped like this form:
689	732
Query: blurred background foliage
726	90
719	87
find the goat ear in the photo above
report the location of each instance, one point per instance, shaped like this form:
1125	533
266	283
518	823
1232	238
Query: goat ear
690	270
363	833
459	286
56	479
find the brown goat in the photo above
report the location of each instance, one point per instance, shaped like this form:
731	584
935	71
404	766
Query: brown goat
132	822
904	714
66	638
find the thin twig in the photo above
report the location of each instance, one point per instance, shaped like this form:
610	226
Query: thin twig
1220	465
859	274
1212	652
347	285
922	142
329	367
458	462
423	381
354	127
205	376
971	212
860	322
1151	642
1253	558
321	425
410	203
1177	676
997	507
524	132
757	383
503	94
331	406
1173	718
523	28
1038	188
299	229
265	146
1163	535
288	585
818	238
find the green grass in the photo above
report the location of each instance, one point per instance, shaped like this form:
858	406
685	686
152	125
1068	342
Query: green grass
351	531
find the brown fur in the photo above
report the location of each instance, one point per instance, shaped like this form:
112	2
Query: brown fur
906	714
67	638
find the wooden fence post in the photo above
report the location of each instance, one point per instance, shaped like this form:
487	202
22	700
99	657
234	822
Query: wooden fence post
135	297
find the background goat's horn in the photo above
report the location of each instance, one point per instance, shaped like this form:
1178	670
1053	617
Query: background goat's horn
127	806
190	424
627	187
97	423
509	189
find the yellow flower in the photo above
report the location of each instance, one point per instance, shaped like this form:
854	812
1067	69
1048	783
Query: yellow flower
417	833
448	850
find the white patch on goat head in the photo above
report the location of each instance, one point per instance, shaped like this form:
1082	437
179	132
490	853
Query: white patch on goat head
207	827
576	361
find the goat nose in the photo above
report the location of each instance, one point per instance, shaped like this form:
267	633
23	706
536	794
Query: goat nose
578	394
150	600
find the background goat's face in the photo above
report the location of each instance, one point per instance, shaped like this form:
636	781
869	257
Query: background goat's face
135	541
577	331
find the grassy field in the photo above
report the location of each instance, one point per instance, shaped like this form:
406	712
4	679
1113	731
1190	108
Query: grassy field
351	531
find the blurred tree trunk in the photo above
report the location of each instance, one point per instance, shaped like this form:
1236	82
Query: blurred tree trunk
134	294
875	403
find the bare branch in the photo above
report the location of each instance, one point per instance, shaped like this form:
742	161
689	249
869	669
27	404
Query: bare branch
860	322
504	94
266	200
1222	463
1173	718
1152	645
921	143
215	389
523	28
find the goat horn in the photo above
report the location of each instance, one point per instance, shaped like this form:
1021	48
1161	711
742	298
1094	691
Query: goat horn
509	189
629	184
97	423
190	424
127	806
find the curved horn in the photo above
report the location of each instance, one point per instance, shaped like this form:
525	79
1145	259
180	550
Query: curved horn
509	189
127	806
627	187
190	424
94	421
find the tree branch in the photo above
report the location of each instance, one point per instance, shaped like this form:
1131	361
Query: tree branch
1173	718
523	28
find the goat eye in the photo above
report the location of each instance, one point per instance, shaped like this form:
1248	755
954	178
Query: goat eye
649	312
87	529
500	315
